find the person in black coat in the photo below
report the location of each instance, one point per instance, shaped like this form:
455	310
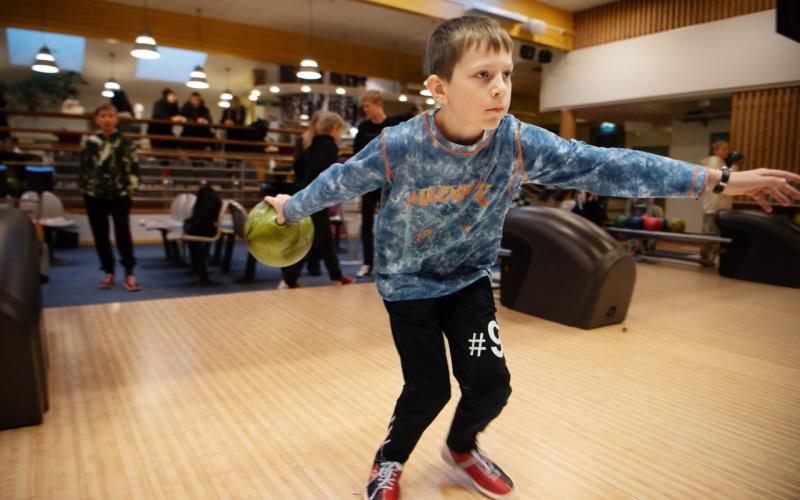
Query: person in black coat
235	116
196	112
369	129
124	110
165	108
320	154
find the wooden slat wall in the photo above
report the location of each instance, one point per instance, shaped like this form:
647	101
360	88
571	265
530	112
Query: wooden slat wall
765	126
631	18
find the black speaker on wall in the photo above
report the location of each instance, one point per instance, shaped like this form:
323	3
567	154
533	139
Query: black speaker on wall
545	56
788	19
527	52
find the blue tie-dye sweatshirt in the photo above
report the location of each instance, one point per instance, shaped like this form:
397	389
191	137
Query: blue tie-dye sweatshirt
441	222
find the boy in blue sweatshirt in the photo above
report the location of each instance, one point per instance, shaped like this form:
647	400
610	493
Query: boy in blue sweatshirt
448	178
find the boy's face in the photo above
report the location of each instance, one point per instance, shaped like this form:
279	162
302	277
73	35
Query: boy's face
107	121
479	92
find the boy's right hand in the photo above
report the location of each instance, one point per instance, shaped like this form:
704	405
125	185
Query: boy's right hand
277	203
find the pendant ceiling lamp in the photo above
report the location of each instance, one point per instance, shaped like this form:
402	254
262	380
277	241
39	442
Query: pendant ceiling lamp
145	45
226	95
197	78
45	62
309	69
111	84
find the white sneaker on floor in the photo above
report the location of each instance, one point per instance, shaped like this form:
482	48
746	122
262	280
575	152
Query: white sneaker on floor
364	271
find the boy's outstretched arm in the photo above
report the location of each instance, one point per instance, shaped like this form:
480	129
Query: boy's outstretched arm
362	173
549	159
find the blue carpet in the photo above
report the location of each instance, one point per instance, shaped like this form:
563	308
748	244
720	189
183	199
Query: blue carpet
75	282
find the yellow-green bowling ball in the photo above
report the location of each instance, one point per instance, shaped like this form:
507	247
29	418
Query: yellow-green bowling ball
274	245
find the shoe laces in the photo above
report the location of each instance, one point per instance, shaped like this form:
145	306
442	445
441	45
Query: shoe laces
385	477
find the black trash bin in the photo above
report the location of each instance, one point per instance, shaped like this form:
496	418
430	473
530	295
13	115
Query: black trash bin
765	247
564	268
23	357
39	179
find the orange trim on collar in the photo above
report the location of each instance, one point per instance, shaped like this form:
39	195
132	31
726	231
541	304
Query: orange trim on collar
462	153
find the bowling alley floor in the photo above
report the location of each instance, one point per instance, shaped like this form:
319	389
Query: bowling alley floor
287	394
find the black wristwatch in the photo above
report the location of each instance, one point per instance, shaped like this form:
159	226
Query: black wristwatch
723	183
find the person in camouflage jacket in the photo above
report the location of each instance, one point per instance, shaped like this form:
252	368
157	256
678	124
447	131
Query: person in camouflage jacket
108	177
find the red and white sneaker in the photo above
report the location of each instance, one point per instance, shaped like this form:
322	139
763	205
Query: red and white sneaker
107	282
131	284
383	481
484	474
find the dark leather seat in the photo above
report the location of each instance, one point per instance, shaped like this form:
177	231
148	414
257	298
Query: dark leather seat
564	268
765	247
23	356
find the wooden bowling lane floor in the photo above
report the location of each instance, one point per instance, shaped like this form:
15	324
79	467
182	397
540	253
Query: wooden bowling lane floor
287	394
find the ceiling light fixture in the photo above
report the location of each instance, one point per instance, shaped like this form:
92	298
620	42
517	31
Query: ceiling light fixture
145	45
112	83
534	26
226	94
197	78
309	69
45	62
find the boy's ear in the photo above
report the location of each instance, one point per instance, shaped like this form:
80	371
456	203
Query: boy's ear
438	88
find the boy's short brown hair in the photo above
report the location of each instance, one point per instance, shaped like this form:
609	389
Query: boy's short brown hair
454	37
372	96
105	107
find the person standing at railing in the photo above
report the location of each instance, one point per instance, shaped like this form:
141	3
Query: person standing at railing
165	108
124	110
235	115
109	174
196	112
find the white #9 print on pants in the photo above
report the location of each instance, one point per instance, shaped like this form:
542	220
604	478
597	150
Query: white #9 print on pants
476	346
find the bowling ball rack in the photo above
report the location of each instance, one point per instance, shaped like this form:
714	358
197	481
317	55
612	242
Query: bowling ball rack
643	245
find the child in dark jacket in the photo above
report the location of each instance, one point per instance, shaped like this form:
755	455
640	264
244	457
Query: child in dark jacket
109	175
318	156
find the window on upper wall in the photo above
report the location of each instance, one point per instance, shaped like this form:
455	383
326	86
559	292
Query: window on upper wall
174	65
24	44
